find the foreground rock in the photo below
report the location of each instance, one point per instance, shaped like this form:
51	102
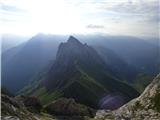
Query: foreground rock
31	103
145	107
12	109
68	107
25	108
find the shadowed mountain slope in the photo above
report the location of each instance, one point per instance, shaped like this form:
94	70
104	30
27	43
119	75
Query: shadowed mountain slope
21	63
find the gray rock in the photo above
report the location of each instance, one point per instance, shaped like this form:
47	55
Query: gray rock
10	118
68	107
145	107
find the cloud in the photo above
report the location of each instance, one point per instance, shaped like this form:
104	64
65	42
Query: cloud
91	26
134	8
11	13
147	9
10	8
139	9
125	17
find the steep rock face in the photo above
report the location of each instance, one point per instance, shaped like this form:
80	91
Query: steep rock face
70	56
145	107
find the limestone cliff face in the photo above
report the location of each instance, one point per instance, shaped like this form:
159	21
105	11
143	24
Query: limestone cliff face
150	98
145	107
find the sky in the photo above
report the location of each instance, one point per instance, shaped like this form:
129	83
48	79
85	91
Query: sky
115	17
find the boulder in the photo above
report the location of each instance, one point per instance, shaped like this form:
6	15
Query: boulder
33	104
11	109
68	107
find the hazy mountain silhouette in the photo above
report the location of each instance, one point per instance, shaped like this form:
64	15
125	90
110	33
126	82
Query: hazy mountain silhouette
21	63
143	55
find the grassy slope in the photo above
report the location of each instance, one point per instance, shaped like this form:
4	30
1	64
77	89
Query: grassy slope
82	87
85	89
142	81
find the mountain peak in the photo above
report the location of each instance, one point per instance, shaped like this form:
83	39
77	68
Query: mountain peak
73	40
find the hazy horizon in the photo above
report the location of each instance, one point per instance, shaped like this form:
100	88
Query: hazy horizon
124	17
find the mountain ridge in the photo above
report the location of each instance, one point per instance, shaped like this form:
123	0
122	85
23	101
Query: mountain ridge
79	72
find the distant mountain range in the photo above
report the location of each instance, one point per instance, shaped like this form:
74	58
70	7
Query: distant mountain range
126	56
55	74
144	55
20	64
9	41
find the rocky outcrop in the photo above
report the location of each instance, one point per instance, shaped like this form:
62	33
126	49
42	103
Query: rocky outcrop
31	103
145	107
11	109
68	107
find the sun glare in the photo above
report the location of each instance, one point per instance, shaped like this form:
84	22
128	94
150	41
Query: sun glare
54	17
75	16
48	16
